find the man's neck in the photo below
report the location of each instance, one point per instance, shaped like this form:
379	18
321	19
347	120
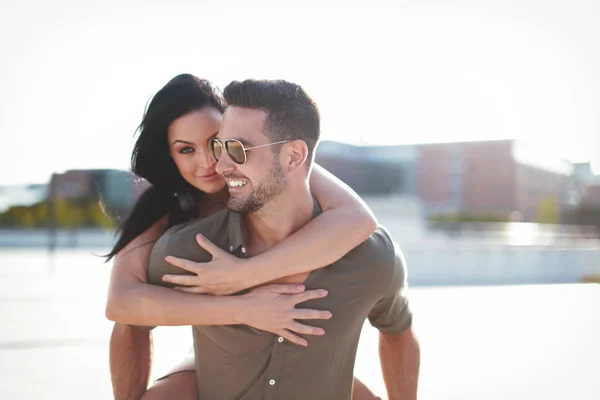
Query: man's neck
213	202
278	219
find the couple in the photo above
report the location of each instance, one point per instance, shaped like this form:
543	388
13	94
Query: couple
236	207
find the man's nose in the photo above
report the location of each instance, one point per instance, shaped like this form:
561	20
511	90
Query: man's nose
224	164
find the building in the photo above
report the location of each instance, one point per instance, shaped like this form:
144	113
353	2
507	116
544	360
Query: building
376	170
504	177
115	187
501	179
588	185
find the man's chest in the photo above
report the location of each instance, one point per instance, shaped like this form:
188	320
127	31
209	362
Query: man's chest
350	298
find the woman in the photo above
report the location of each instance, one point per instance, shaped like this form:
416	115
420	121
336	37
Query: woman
172	154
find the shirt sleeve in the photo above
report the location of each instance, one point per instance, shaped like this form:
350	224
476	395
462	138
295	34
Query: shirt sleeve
157	265
392	314
178	241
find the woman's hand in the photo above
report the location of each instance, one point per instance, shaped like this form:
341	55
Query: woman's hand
225	274
272	308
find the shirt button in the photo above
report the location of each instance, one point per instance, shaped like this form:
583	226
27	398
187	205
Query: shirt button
244	250
272	382
280	339
230	248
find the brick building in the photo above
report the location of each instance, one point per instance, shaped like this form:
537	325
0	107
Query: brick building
502	177
493	177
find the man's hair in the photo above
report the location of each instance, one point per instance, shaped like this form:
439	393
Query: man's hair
291	113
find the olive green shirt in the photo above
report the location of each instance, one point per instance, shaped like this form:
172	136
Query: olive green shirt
238	362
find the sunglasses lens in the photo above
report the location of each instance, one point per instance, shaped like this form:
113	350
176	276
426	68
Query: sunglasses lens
217	149
236	151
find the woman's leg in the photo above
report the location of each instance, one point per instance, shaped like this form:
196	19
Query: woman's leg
362	392
182	380
179	383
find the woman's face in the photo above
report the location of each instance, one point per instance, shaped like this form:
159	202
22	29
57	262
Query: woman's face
189	138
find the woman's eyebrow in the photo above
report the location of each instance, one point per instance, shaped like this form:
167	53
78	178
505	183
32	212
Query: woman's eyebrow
183	141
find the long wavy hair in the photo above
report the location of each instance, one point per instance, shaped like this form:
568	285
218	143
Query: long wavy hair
169	193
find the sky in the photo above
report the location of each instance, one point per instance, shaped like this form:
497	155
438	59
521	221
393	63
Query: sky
75	77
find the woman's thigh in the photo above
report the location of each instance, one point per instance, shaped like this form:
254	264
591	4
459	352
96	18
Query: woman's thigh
181	380
362	392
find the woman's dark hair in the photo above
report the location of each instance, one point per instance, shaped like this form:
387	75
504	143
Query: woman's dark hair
152	161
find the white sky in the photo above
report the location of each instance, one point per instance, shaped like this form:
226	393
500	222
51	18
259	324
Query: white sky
75	77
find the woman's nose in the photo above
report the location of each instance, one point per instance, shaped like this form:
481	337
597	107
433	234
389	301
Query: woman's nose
206	159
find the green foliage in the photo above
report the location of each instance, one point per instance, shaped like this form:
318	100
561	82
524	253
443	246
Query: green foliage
469	217
68	213
24	216
97	217
547	211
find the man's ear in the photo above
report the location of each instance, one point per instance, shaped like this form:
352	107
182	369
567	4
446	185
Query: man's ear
296	153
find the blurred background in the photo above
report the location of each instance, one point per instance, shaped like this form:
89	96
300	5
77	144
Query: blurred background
471	128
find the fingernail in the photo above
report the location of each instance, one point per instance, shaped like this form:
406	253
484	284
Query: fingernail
324	292
168	258
329	314
199	236
300	287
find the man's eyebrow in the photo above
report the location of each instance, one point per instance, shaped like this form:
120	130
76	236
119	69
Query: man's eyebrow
214	135
245	142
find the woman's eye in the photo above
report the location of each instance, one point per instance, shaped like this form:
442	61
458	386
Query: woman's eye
186	150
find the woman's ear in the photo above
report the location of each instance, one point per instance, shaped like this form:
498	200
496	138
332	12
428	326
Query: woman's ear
296	153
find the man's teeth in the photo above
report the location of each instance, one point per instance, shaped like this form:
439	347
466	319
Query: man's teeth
237	183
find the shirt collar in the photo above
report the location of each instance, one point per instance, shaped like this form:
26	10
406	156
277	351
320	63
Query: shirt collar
236	232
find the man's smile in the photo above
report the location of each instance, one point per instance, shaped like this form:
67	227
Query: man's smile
236	183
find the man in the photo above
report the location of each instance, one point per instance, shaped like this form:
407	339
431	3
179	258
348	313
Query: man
265	150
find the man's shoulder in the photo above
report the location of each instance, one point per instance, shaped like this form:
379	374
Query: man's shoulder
378	247
379	255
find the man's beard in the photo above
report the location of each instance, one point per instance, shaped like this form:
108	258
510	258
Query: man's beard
264	191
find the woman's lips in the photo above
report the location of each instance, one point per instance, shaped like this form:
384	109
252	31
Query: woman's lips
208	177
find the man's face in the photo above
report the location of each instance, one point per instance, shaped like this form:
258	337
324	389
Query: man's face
261	178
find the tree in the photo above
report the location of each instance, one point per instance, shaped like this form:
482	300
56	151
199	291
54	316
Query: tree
68	214
547	211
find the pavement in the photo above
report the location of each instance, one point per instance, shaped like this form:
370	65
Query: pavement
492	342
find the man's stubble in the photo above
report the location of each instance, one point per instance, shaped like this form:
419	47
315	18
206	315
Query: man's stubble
264	191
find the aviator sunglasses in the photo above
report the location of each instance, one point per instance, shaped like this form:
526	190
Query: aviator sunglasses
235	149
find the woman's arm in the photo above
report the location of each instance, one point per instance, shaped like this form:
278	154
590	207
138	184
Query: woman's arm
131	300
271	308
345	223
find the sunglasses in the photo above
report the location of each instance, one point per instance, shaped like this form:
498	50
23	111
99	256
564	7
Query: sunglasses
235	149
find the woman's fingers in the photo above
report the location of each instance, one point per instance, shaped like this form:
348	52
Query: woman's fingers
191	289
298	327
290	337
302	313
212	248
309	295
183	280
183	263
283	288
